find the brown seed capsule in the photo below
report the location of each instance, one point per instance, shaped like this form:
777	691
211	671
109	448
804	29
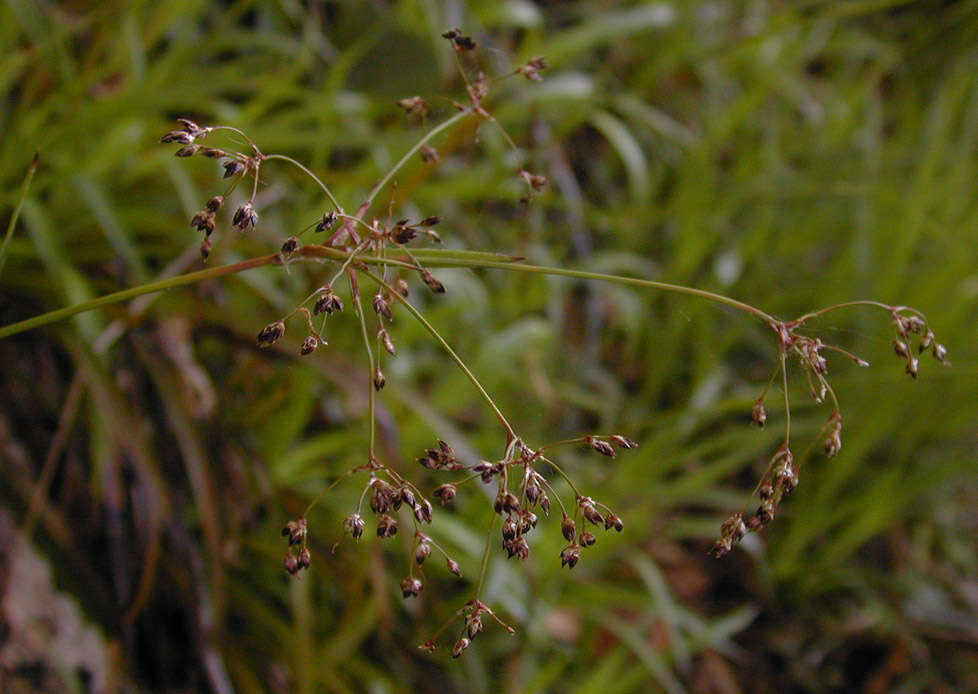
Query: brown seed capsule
354	524
445	493
433	284
291	563
422	511
203	221
900	347
414	106
613	521
245	216
602	447
295	530
587	539
290	245
422	551
460	646
733	529
305	558
509	529
454	567
569	556
410	587
327	302
568	528
429	221
379	380
402	287
309	345
759	415
386	526
180	136
912	364
589	511
382	307
213	152
939	352
545	503
402	234
327	221
271	333
215	203
187	150
473	624
622	441
233	168
385	340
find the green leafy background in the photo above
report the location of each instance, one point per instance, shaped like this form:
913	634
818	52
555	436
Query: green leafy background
789	154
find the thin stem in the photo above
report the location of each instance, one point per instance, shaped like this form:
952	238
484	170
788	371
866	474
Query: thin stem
16	213
451	352
410	153
483	569
787	404
850	304
311	175
372	390
214	128
563	474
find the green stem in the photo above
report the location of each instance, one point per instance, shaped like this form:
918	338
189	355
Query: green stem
511	435
20	203
410	153
484	568
311	175
126	294
371	388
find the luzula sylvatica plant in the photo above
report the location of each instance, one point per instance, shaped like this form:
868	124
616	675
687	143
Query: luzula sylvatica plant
371	262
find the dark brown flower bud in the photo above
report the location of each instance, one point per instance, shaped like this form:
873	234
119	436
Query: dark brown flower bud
385	340
545	503
327	221
422	551
407	496
926	341
568	528
271	333
328	302
290	245
187	150
473	624
569	556
589	511
733	529
460	646
900	347
454	567
386	526
203	221
410	587
305	558
509	529
382	307
414	106
233	168
291	563
912	364
213	152
245	216
721	548
602	447
459	41
486	471
309	345
422	511
401	286
759	415
587	538
402	234
180	136
622	441
429	221
939	352
379	380
295	530
613	521
432	282
429	155
445	493
215	203
506	502
354	524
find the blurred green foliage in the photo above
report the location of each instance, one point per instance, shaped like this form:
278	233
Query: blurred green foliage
792	155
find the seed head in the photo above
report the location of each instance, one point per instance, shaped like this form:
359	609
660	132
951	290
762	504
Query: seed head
187	150
569	556
271	333
587	538
422	511
354	524
245	216
613	521
327	303
445	493
382	307
454	567
215	203
385	339
506	502
379	380
912	364
602	447
759	415
213	152
203	221
309	345
568	528
460	42
233	168
900	347
429	155
589	511
433	283
180	136
402	287
291	563
460	646
414	106
304	558
386	526
422	551
473	624
622	441
295	530
411	587
290	245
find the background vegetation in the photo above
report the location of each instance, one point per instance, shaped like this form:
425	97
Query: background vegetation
789	154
